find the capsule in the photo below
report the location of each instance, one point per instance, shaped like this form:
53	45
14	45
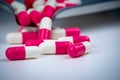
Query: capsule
20	38
79	49
45	26
71	31
20	12
34	15
75	39
49	9
54	47
27	29
22	52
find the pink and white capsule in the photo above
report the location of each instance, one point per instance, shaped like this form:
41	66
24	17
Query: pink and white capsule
22	52
79	49
45	26
49	9
71	31
34	15
18	37
28	29
54	47
75	39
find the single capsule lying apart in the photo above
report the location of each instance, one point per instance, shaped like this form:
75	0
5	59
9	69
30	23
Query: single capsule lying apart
22	52
79	49
54	47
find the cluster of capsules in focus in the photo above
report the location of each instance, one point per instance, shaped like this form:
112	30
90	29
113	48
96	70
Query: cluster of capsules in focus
43	39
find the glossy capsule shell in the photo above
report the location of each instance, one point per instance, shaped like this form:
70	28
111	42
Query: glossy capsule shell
54	47
75	39
20	38
22	52
79	49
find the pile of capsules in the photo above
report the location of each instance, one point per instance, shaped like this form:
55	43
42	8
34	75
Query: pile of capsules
43	39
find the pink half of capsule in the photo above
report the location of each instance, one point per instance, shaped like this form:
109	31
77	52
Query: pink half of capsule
79	49
35	16
21	52
75	39
49	9
23	18
72	31
54	47
60	1
33	42
17	38
70	4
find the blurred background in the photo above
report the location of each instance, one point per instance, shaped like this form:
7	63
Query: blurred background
101	64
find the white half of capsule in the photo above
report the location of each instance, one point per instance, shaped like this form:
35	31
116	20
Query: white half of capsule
51	3
32	52
13	38
57	33
88	46
17	5
38	3
70	39
46	23
47	47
